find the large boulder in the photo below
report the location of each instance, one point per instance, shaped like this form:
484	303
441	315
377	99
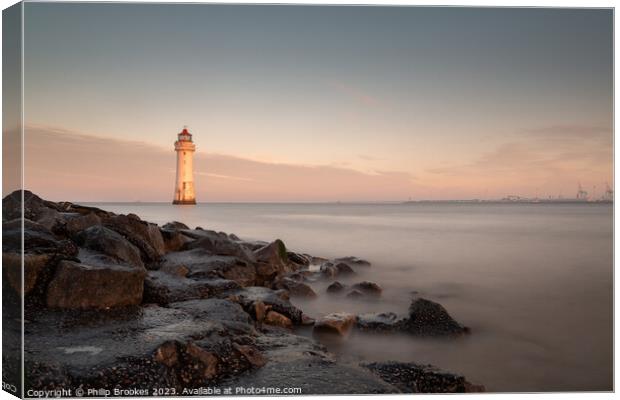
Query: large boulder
34	265
426	318
416	378
144	235
110	243
33	205
337	324
273	260
81	286
429	318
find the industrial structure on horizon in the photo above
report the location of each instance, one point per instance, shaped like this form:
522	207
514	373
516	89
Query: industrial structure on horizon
582	196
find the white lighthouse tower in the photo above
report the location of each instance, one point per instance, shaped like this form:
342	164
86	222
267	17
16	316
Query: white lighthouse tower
184	188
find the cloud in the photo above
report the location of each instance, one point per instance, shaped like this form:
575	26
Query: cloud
63	165
543	160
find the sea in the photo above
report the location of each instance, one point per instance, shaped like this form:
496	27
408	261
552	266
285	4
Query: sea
534	282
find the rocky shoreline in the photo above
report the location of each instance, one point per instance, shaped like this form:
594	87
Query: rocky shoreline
112	301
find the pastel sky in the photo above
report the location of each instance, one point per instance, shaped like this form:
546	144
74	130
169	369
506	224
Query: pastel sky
315	103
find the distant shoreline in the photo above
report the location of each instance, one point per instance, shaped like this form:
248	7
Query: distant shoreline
411	202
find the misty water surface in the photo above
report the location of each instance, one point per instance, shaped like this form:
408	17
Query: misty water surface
533	281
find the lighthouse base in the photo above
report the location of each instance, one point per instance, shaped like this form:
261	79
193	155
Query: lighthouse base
188	202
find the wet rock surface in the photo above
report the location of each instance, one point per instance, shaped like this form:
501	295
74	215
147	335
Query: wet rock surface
112	301
298	362
415	378
163	288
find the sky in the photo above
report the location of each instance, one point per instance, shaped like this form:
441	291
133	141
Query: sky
316	103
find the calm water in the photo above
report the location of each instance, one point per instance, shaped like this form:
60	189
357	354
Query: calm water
534	282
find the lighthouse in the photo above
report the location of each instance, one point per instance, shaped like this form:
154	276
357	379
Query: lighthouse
184	188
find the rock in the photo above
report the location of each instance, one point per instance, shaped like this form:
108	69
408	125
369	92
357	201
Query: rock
259	311
368	288
50	218
274	253
338	324
177	270
296	288
377	322
415	378
272	299
167	354
42	251
217	244
234	237
429	318
110	243
344	269
329	270
335	287
34	264
276	319
32	204
81	286
145	236
175	225
163	288
37	239
251	354
352	262
174	240
202	264
355	294
75	223
204	361
307	321
254	245
299	259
